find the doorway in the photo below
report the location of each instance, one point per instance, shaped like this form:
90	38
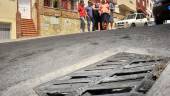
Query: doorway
25	8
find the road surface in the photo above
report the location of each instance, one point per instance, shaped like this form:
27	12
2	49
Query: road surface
28	63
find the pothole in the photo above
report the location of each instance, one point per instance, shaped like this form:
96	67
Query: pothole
124	74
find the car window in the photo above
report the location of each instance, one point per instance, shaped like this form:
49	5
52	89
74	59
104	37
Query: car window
138	16
131	16
142	16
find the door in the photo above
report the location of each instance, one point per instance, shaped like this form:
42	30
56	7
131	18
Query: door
144	20
25	8
5	31
139	20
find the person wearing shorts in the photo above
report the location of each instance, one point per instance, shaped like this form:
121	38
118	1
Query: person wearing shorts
96	15
112	8
82	13
104	13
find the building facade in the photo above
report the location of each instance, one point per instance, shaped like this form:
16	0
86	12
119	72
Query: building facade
58	17
124	8
149	8
28	18
141	6
8	19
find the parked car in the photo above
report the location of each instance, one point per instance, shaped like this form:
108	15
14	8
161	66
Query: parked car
132	20
161	11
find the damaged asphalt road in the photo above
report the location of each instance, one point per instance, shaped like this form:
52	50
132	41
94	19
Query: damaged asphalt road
26	60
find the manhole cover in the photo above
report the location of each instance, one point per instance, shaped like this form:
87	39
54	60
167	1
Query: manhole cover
124	74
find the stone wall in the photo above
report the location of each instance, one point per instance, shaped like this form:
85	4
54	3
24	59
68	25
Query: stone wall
56	21
51	25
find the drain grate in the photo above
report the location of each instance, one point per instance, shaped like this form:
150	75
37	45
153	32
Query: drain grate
109	91
124	74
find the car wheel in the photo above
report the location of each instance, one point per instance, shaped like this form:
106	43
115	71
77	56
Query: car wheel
146	24
158	21
133	25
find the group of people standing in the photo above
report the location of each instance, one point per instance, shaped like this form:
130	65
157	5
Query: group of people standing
99	13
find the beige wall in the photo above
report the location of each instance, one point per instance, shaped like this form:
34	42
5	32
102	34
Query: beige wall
8	9
130	3
58	26
125	7
70	26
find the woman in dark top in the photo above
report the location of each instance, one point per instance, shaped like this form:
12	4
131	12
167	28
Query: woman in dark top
97	18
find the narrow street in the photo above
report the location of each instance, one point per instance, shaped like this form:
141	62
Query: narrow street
26	64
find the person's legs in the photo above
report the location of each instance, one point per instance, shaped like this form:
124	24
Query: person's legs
102	21
93	24
82	24
95	16
99	26
105	20
111	25
88	23
111	21
99	23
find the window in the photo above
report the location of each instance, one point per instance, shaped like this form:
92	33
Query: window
138	16
131	16
56	3
73	5
5	31
142	16
51	3
64	4
47	3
